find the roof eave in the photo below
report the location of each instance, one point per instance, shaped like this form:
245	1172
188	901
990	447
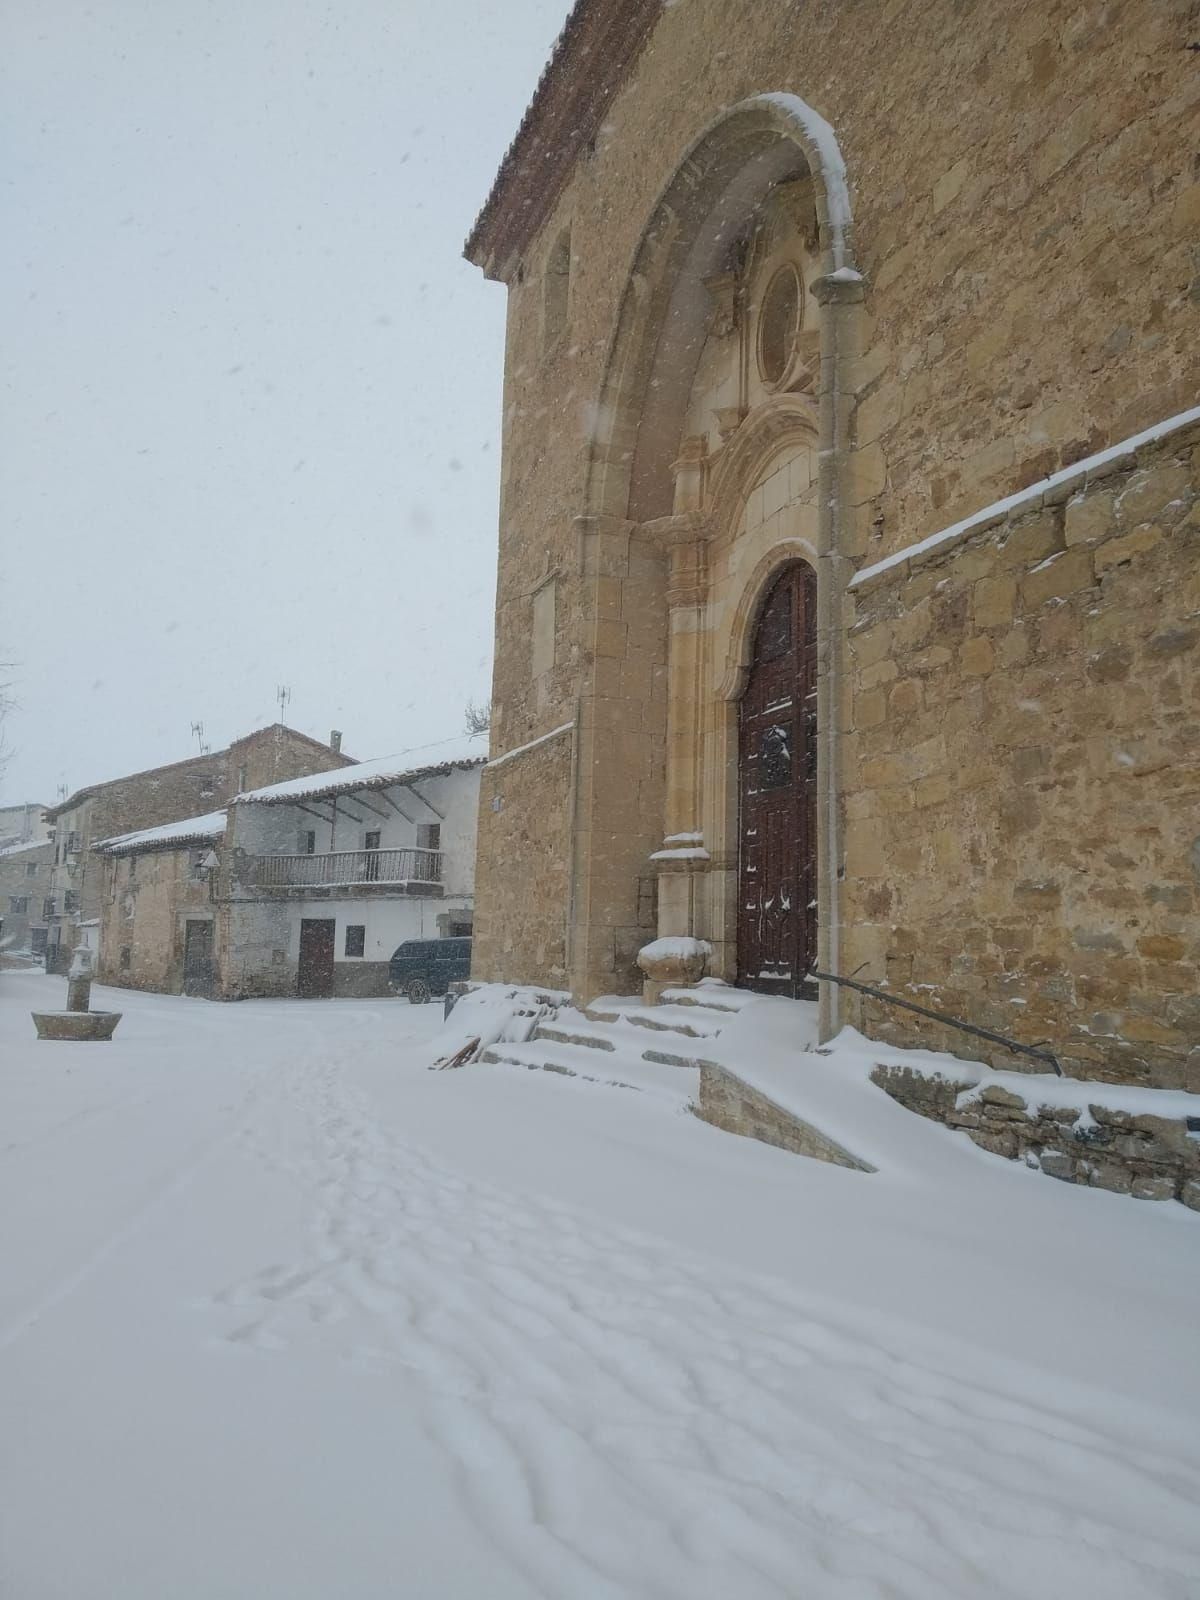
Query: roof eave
591	58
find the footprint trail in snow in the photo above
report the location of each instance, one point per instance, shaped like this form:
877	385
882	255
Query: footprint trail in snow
625	1421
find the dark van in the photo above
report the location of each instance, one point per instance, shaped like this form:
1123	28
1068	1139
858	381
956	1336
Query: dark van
423	967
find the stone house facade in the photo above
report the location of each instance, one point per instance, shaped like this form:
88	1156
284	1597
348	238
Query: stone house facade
160	795
849	530
158	906
25	890
19	824
304	887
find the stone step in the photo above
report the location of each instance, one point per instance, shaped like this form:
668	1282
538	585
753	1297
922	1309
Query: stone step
704	996
691	1022
589	1035
615	1069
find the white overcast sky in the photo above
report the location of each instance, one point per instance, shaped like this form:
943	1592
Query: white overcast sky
251	391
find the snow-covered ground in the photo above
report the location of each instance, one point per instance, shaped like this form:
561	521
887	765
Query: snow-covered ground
286	1314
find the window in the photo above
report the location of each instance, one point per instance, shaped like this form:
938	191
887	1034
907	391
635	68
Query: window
779	324
429	836
356	940
126	957
18	903
133	867
31	870
557	290
196	863
308	841
47	907
71	900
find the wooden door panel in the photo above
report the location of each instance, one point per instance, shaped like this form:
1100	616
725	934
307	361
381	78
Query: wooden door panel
777	750
314	979
198	958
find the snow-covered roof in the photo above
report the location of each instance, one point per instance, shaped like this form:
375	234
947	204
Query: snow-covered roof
27	844
425	761
192	830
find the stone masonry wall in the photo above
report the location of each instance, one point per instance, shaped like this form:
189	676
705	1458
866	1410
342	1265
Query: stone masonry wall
1022	781
1025	213
1149	1157
144	913
728	1103
18	882
525	803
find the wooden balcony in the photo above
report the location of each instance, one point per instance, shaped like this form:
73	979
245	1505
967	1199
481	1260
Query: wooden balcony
408	871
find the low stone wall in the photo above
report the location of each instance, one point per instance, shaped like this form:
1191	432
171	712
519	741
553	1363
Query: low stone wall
1149	1157
728	1103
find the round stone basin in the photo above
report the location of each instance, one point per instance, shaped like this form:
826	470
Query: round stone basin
76	1024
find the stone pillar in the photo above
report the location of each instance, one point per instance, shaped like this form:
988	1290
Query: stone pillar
840	295
79	981
682	862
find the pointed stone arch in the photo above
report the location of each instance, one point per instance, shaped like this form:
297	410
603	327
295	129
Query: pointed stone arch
632	515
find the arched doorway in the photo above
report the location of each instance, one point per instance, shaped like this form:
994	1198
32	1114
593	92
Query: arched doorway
777	793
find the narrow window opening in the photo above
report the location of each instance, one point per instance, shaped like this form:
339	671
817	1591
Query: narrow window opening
557	290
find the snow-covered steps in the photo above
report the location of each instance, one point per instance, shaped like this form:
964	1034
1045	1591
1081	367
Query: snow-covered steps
710	994
691	1022
576	1030
613	1069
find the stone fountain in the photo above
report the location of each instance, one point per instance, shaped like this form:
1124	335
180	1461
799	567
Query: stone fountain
77	1021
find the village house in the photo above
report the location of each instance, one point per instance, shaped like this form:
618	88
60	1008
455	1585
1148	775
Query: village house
849	556
303	887
25	895
160	795
20	824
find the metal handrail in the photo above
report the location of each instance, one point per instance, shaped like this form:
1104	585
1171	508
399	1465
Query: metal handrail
337	867
940	1016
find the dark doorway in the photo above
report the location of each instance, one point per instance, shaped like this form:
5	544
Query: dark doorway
371	846
198	958
314	980
777	793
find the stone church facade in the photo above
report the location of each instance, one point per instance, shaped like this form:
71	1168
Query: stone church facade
849	573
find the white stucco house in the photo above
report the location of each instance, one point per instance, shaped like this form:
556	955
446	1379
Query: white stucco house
325	876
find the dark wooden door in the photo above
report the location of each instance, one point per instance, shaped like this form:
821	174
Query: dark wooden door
198	957
777	791
315	978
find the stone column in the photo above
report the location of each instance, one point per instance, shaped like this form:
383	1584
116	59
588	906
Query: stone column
839	294
682	861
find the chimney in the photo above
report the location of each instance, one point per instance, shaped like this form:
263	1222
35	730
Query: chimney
335	741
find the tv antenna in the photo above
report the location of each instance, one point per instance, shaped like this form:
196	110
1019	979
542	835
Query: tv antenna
63	791
283	694
198	730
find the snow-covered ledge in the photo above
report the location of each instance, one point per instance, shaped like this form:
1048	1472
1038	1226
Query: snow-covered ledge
523	749
1117	458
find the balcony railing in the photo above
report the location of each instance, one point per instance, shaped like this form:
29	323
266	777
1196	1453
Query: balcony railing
339	867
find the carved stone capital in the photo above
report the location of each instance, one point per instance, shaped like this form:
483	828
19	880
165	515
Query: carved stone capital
592	523
681	527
